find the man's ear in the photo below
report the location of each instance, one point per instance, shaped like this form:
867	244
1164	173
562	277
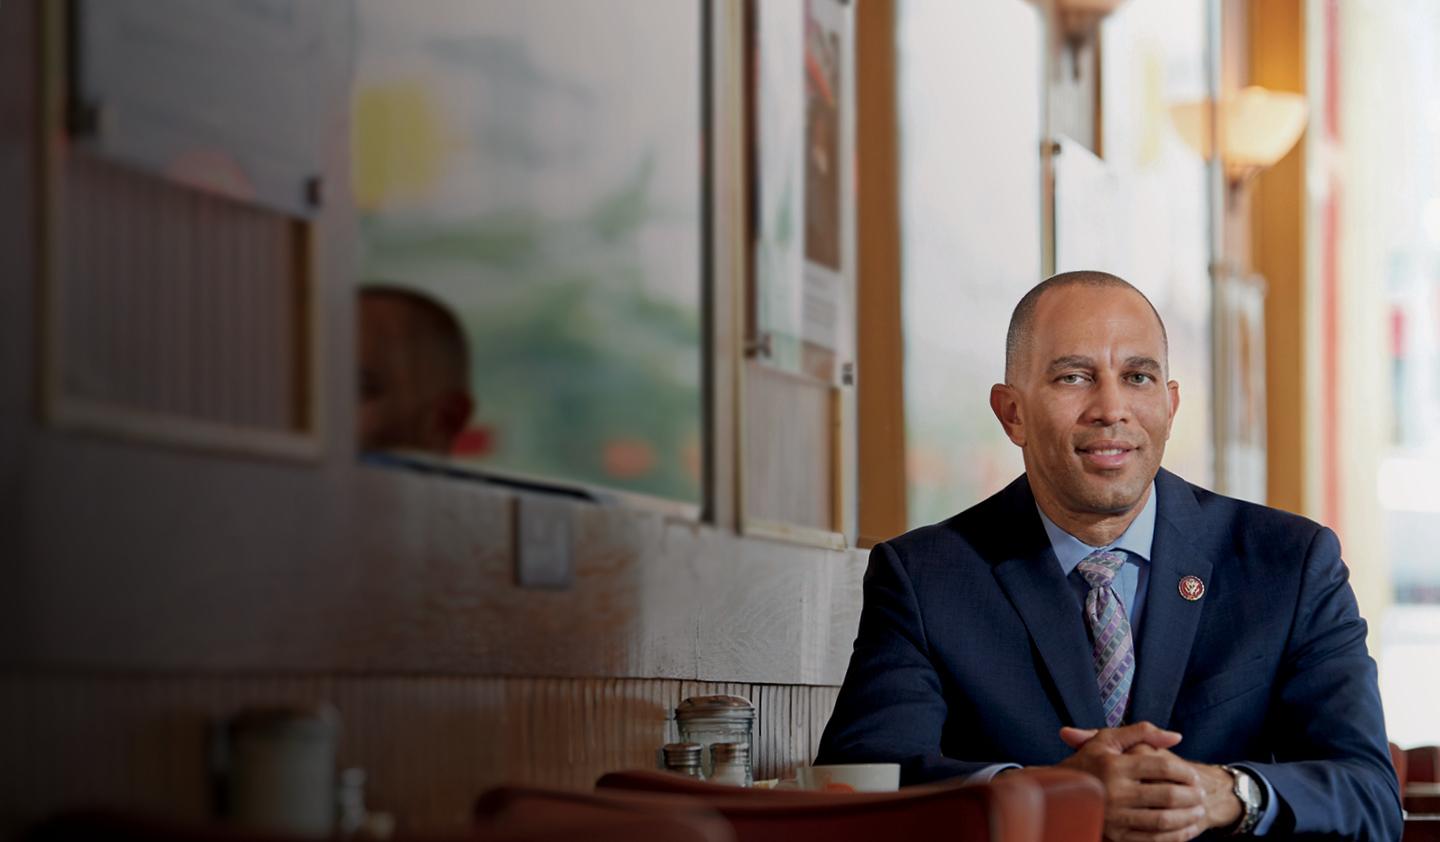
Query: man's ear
1006	407
452	412
1174	389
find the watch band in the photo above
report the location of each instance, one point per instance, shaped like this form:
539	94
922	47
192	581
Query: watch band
1247	790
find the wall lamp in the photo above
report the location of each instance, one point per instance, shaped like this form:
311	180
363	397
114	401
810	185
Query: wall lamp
1257	128
1079	21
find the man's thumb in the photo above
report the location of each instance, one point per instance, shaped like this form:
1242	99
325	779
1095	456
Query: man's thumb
1076	737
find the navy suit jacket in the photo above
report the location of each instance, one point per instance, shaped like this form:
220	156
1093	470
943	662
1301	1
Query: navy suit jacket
972	650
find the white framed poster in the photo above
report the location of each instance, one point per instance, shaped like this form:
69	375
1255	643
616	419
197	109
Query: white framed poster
804	139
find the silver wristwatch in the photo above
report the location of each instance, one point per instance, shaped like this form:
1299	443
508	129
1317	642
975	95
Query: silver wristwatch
1252	800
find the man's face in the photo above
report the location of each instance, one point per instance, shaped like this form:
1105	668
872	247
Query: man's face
1089	405
394	411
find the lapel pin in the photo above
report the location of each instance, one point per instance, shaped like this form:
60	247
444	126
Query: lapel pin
1191	588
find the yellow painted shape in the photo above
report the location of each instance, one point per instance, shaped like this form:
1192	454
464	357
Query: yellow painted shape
399	144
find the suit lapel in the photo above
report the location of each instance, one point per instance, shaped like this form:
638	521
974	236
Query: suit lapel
1169	622
1046	603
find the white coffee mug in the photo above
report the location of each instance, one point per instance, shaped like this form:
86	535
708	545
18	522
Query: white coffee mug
850	777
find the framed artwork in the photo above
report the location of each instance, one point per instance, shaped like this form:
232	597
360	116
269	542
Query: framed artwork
798	404
1240	339
180	304
802	302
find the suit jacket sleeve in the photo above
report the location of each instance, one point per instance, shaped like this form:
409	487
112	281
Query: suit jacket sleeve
1332	772
891	707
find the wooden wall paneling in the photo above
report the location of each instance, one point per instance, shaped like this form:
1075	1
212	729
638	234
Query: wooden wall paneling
789	466
743	623
820	703
385	570
20	178
126	742
170	312
783	733
428	743
790	621
175	315
769	730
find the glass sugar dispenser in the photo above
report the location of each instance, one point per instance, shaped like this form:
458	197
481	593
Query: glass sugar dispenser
718	719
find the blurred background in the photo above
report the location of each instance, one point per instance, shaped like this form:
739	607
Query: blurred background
498	373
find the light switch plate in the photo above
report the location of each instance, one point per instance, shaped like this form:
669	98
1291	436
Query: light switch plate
544	549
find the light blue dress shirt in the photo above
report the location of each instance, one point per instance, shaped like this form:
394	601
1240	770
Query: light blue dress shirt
1130	583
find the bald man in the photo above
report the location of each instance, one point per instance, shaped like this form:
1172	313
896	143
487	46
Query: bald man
414	373
1202	656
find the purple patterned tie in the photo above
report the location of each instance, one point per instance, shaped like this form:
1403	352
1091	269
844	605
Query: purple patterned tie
1110	629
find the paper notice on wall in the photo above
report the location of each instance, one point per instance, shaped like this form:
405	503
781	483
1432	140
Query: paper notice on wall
828	210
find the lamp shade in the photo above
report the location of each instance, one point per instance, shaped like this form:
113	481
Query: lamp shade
1257	127
1078	18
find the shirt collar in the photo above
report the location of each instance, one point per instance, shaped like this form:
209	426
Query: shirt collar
1136	541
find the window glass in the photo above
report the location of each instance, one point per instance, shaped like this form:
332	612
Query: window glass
532	170
970	232
1374	176
1154	57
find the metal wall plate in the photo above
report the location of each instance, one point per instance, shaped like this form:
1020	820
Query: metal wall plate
544	551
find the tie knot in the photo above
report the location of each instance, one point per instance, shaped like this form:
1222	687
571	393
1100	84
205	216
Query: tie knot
1099	568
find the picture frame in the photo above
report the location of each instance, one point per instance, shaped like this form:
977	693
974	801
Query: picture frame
72	253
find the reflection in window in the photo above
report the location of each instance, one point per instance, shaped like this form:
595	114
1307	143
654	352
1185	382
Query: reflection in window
1155	56
505	167
970	194
1375	179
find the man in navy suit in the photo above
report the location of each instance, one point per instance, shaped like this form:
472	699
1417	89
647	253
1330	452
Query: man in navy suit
1202	656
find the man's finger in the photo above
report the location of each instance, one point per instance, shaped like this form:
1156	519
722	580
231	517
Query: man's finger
1076	737
1154	821
1121	739
1157	768
1165	796
1184	834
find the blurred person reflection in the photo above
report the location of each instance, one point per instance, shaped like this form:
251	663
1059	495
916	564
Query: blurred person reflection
414	372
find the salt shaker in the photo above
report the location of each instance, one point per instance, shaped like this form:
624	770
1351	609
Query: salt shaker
716	719
683	758
731	764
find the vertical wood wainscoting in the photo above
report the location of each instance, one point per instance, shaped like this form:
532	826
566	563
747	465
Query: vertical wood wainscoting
429	743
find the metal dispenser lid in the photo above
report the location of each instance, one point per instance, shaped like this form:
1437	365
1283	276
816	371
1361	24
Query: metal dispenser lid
733	708
729	752
682	754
